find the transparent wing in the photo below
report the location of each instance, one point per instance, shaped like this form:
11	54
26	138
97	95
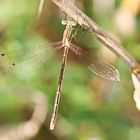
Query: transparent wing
23	61
106	71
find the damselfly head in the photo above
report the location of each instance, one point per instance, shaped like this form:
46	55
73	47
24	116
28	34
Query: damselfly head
70	22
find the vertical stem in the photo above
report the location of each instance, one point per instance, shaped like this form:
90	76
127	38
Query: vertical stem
58	93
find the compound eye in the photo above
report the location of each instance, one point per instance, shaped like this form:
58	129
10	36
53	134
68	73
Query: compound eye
63	22
74	23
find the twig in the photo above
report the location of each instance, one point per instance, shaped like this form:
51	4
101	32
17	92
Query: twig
83	20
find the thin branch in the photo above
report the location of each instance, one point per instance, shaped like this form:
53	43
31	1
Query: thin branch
83	20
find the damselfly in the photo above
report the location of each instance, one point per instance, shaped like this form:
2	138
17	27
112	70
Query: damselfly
99	68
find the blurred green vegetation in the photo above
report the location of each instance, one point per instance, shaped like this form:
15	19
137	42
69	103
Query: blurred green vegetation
89	107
